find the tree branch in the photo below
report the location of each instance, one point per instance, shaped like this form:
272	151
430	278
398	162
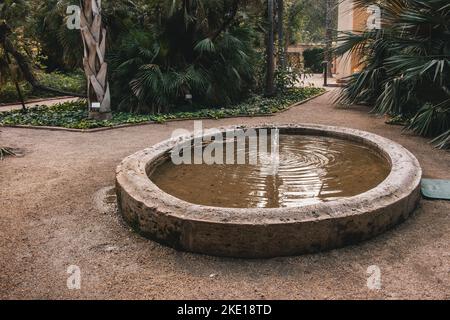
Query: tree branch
24	66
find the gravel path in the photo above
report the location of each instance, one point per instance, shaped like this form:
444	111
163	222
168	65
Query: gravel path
50	218
35	103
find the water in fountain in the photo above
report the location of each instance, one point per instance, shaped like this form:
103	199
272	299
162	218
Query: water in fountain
306	170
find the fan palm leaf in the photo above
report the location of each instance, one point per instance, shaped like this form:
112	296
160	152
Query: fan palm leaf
406	65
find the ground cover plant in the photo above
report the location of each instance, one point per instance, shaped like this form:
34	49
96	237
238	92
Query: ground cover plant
74	114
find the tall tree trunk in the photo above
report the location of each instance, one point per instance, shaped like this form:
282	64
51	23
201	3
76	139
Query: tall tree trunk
20	95
95	67
288	33
16	83
281	46
328	37
270	48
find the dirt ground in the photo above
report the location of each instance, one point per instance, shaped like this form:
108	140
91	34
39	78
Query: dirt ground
50	219
32	104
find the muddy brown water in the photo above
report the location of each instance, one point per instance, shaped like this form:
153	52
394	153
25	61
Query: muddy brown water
311	169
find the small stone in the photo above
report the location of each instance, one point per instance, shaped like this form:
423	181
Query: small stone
110	248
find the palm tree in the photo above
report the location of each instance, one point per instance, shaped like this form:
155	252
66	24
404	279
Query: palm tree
405	65
48	25
12	15
190	53
95	66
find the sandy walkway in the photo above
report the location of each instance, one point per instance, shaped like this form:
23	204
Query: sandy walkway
49	220
32	104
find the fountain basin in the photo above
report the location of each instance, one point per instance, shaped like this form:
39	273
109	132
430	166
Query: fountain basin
269	232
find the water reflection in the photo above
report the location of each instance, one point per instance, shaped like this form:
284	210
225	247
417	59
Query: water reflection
310	169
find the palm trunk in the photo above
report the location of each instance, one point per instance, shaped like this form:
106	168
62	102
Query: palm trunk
281	47
270	69
328	38
95	67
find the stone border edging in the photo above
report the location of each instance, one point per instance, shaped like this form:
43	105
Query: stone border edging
266	233
127	125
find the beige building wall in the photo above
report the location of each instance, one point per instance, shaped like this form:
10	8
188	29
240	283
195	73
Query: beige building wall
350	19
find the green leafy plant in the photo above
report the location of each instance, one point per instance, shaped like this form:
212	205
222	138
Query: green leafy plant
74	114
203	53
405	66
288	78
313	59
72	82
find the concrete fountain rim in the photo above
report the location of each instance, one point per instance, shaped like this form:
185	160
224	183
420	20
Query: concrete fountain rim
403	180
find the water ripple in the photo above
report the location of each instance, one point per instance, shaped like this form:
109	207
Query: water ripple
310	170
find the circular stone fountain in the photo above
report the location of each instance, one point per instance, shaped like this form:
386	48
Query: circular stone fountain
335	206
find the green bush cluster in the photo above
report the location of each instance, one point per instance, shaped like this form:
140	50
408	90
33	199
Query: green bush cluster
73	82
74	114
313	59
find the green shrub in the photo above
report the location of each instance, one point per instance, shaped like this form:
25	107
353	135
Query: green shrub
405	66
148	77
74	82
313	59
8	92
287	79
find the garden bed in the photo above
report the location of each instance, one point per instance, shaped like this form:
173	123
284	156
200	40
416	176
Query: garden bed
74	82
73	115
